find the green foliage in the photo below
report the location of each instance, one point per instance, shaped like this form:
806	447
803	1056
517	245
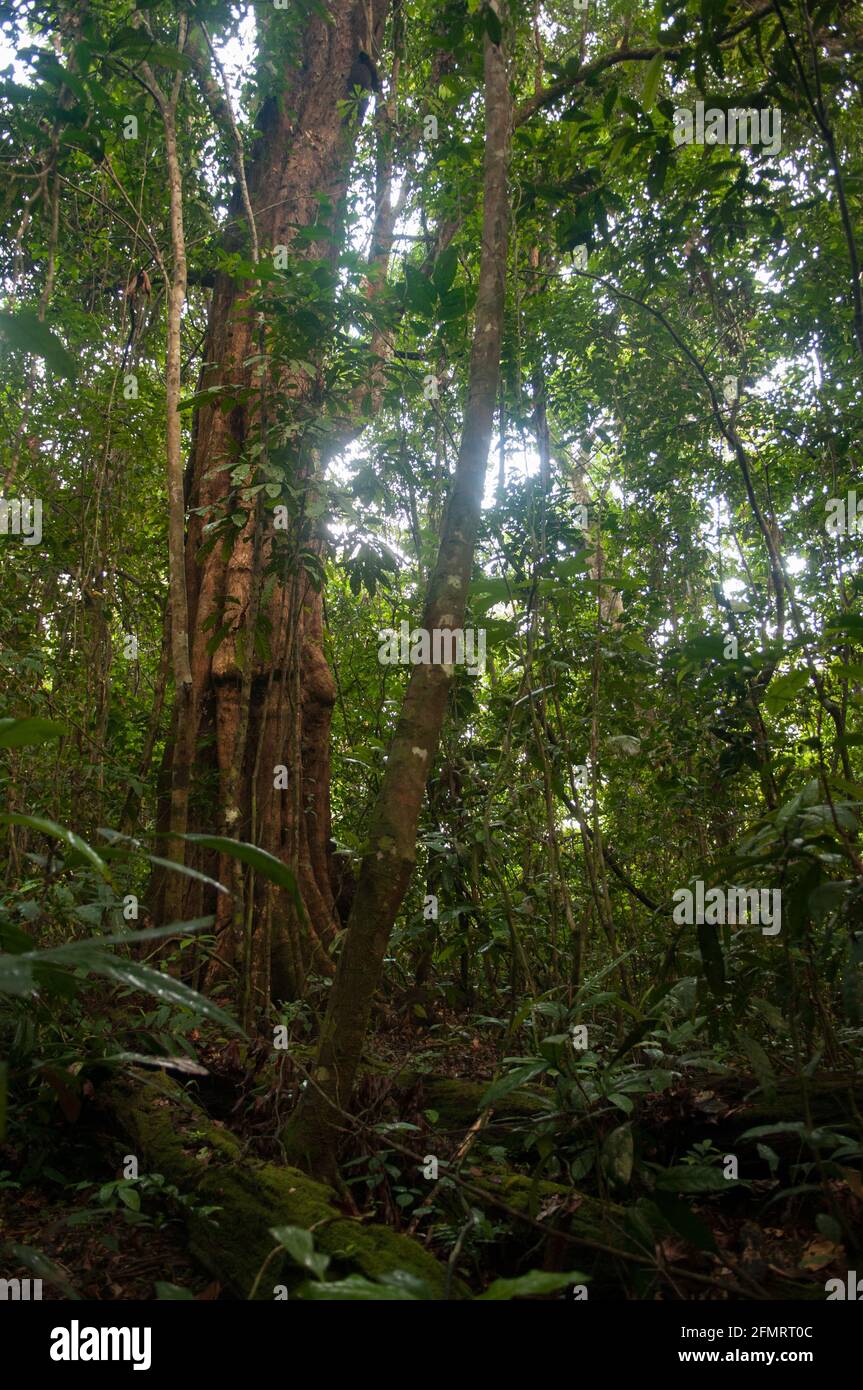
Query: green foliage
675	637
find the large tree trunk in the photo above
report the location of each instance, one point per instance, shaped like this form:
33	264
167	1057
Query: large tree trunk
249	713
390	852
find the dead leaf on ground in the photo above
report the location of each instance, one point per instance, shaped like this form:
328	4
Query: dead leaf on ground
820	1252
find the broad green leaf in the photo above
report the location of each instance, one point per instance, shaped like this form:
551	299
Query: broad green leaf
263	863
43	1268
760	1064
797	1127
492	24
58	832
18	733
161	986
115	838
300	1245
69	949
504	1084
618	1152
16	976
357	1289
24	330
445	269
421	295
682	1219
536	1282
695	1177
652	78
783	691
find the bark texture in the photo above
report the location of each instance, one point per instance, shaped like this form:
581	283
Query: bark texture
251	711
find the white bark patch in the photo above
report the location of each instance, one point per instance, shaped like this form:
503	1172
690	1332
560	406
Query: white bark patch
420	753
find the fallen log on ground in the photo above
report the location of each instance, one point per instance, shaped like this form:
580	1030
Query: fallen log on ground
723	1109
173	1136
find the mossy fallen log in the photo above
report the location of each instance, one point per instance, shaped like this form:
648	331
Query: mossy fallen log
581	1230
723	1109
459	1102
171	1135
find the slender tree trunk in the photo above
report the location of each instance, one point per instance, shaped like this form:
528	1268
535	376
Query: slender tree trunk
390	853
179	606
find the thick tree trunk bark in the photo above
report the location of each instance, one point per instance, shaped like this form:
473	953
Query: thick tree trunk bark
390	853
240	723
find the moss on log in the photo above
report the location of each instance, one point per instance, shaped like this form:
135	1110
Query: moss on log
459	1102
722	1109
171	1135
596	1227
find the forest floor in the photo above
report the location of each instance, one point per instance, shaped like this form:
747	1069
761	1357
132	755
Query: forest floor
418	1096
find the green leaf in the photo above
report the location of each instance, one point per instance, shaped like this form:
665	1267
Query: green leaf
89	955
634	1036
69	949
161	986
760	1064
770	1156
166	57
115	838
695	1177
165	1291
17	733
829	1227
651	81
300	1245
504	1084
445	269
618	1151
130	1198
657	171
263	863
43	1268
24	330
58	832
357	1289
420	292
813	1137
682	1219
16	976
783	691
454	304
492	25
537	1281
